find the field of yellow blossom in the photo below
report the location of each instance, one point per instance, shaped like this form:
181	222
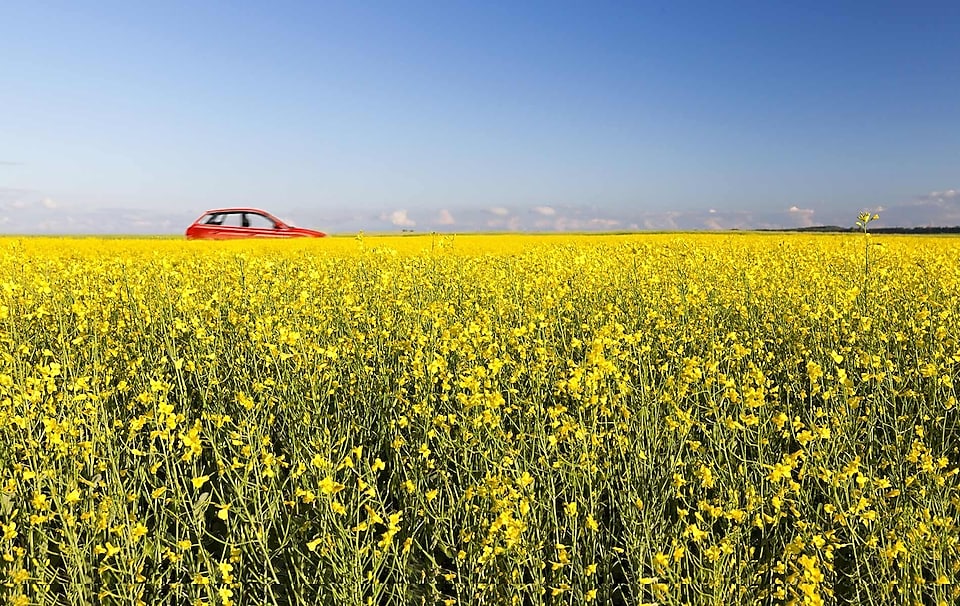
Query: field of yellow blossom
643	419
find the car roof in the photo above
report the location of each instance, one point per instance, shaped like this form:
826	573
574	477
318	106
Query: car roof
238	209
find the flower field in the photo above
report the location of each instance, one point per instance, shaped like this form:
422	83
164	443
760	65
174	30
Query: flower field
647	419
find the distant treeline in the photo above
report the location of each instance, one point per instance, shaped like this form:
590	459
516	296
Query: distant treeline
874	230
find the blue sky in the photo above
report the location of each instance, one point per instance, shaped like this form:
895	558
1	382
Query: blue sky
130	117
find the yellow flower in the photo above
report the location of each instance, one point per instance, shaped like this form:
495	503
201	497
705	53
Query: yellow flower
191	442
18	576
40	502
706	476
307	496
329	486
779	472
525	480
198	482
696	533
245	401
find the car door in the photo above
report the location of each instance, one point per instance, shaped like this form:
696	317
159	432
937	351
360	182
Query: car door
209	227
232	226
262	226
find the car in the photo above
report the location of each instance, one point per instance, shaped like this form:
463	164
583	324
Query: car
231	223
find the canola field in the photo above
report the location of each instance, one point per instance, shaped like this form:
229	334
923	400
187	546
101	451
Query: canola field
643	419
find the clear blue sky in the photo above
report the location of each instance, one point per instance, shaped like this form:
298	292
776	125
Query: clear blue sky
136	117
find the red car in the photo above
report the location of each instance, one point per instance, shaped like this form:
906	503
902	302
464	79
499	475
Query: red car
228	223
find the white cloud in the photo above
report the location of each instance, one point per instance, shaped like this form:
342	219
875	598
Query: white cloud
445	218
800	217
546	211
508	224
24	200
660	221
604	223
399	218
946	198
934	209
499	211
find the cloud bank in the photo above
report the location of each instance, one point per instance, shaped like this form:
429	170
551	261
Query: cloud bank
24	211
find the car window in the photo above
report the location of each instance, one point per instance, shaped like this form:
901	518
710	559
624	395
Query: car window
212	219
260	222
232	220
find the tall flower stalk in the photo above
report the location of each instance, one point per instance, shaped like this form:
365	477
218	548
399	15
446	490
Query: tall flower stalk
864	219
